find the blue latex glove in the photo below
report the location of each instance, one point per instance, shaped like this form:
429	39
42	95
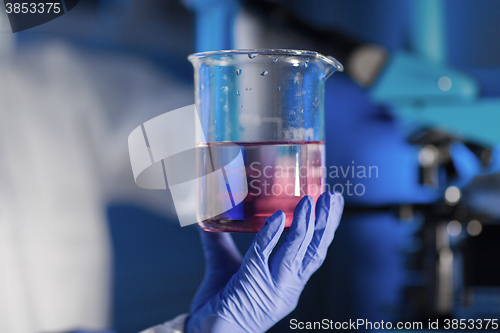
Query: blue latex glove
263	289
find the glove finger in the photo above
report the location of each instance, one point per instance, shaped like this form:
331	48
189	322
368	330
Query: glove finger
269	235
336	209
220	251
328	216
323	205
291	253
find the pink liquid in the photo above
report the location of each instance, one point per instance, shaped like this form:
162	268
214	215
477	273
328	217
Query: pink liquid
278	175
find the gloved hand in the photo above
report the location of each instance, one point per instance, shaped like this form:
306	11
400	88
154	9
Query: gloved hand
264	289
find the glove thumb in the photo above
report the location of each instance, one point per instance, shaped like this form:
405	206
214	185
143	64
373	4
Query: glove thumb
268	236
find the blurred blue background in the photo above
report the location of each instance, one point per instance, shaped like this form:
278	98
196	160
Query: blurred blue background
158	265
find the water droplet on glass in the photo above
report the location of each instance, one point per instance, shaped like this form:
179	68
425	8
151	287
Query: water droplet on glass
251	56
202	86
238	72
215	121
279	87
248	88
275	59
264	73
220	69
241	106
306	64
237	93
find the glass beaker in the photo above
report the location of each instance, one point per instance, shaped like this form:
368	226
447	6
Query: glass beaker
270	104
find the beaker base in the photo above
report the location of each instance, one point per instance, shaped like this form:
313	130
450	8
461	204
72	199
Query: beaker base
236	226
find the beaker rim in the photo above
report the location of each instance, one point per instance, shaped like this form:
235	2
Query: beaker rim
290	52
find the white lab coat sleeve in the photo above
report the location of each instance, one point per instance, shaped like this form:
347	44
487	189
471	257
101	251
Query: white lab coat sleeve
55	250
175	325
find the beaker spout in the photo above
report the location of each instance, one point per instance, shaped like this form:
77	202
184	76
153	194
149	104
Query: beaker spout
331	65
